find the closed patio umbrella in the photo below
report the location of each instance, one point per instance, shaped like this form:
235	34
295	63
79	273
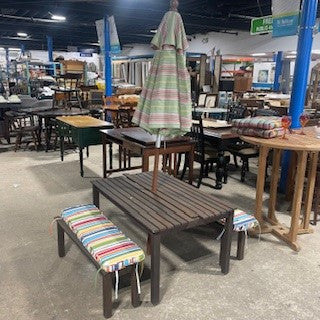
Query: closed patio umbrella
165	106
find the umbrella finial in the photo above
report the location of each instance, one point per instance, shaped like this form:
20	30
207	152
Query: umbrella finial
174	5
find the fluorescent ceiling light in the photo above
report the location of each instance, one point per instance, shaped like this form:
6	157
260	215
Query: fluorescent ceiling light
154	31
22	34
291	57
14	49
316	51
57	17
258	54
293	52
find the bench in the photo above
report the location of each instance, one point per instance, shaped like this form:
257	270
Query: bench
105	245
242	221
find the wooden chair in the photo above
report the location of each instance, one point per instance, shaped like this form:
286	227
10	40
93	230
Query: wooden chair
204	154
316	198
241	149
22	126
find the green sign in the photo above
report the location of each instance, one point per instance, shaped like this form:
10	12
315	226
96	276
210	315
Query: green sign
261	25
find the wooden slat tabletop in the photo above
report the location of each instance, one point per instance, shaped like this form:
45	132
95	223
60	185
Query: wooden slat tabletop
176	205
84	122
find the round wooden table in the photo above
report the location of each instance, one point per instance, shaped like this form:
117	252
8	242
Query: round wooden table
305	146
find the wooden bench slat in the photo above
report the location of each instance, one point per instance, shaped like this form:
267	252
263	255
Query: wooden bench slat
159	214
179	197
185	211
126	205
158	203
207	200
145	211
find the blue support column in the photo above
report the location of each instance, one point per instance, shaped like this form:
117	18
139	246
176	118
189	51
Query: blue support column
107	59
50	48
278	71
8	63
23	49
50	53
301	70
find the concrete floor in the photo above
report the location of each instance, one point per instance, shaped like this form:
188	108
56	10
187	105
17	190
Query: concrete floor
272	282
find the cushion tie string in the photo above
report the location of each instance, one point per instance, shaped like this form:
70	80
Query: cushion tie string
116	289
138	278
96	277
52	223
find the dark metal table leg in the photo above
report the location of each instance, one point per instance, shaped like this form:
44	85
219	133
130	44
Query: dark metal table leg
155	268
110	155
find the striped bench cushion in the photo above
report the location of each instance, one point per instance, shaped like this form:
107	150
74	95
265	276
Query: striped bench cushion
242	221
105	242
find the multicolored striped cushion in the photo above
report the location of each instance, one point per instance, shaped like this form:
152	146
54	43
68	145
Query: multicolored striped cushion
105	242
242	221
261	133
266	123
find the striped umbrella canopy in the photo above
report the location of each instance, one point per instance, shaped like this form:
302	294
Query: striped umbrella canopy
165	102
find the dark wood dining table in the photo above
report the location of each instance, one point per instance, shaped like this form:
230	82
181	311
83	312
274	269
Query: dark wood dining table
221	138
138	141
175	207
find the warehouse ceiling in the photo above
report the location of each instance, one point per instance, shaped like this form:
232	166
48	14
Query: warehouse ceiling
134	18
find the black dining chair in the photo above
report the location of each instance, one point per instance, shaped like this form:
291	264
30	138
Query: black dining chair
204	153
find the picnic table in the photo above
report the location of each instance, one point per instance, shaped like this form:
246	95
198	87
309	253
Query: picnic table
175	207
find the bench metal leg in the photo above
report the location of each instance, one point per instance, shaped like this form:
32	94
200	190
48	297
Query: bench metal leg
155	269
61	247
135	297
241	245
107	295
225	246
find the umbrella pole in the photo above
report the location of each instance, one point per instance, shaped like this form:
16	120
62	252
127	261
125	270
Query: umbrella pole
156	165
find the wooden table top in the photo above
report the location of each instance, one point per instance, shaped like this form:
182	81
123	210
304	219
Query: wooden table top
62	112
140	136
211	110
84	122
176	205
215	124
295	141
220	133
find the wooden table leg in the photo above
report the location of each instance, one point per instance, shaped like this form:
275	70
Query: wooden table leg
104	156
191	159
155	268
145	163
309	193
95	196
81	161
274	186
225	246
110	154
291	237
263	154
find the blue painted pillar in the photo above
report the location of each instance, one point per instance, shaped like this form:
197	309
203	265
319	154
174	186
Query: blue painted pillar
107	59
7	62
50	48
23	49
301	70
278	71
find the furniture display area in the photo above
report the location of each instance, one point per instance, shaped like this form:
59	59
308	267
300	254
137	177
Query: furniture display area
307	146
174	208
84	131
